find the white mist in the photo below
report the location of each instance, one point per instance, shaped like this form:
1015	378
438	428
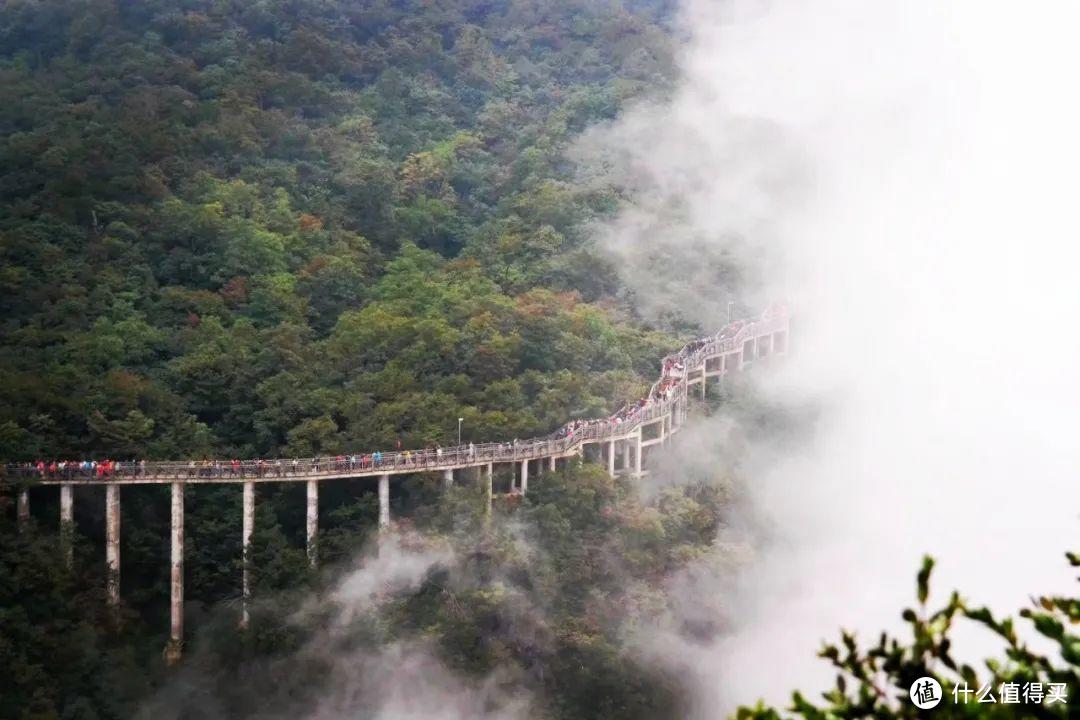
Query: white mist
904	175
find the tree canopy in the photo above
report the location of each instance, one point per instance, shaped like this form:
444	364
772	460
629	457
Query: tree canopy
235	228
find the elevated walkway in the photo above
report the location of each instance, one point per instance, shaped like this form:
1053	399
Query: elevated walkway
620	442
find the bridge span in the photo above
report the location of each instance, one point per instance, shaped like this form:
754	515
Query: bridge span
621	442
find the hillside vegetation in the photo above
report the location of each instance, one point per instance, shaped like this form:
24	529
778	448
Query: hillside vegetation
294	227
252	228
308	227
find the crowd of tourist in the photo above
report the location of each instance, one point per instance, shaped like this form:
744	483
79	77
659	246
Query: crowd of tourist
208	468
671	375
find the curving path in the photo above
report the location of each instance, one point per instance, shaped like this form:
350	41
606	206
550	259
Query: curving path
622	441
733	349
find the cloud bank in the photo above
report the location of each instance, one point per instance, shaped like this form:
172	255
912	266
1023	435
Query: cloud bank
902	173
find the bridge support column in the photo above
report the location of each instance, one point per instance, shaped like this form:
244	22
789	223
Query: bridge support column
246	533
112	542
176	576
524	476
637	454
488	471
551	464
448	478
312	521
67	524
384	502
23	508
611	458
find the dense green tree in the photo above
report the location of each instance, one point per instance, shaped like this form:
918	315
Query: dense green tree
295	227
185	186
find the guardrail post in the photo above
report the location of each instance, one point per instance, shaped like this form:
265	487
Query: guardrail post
312	521
176	575
246	532
67	524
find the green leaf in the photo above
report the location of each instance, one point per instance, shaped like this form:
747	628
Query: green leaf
924	578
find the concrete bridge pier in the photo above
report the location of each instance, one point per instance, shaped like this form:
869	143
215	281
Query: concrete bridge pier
611	458
488	471
384	502
67	524
312	521
636	445
448	478
246	532
175	646
551	464
524	476
23	508
112	542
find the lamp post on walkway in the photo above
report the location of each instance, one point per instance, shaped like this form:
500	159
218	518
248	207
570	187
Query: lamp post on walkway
459	430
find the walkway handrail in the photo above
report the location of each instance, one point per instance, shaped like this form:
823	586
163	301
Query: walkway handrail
669	388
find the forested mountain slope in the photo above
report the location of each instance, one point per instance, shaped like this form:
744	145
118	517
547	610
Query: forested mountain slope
249	228
243	228
302	227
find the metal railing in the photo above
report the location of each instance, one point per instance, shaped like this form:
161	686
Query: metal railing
668	390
